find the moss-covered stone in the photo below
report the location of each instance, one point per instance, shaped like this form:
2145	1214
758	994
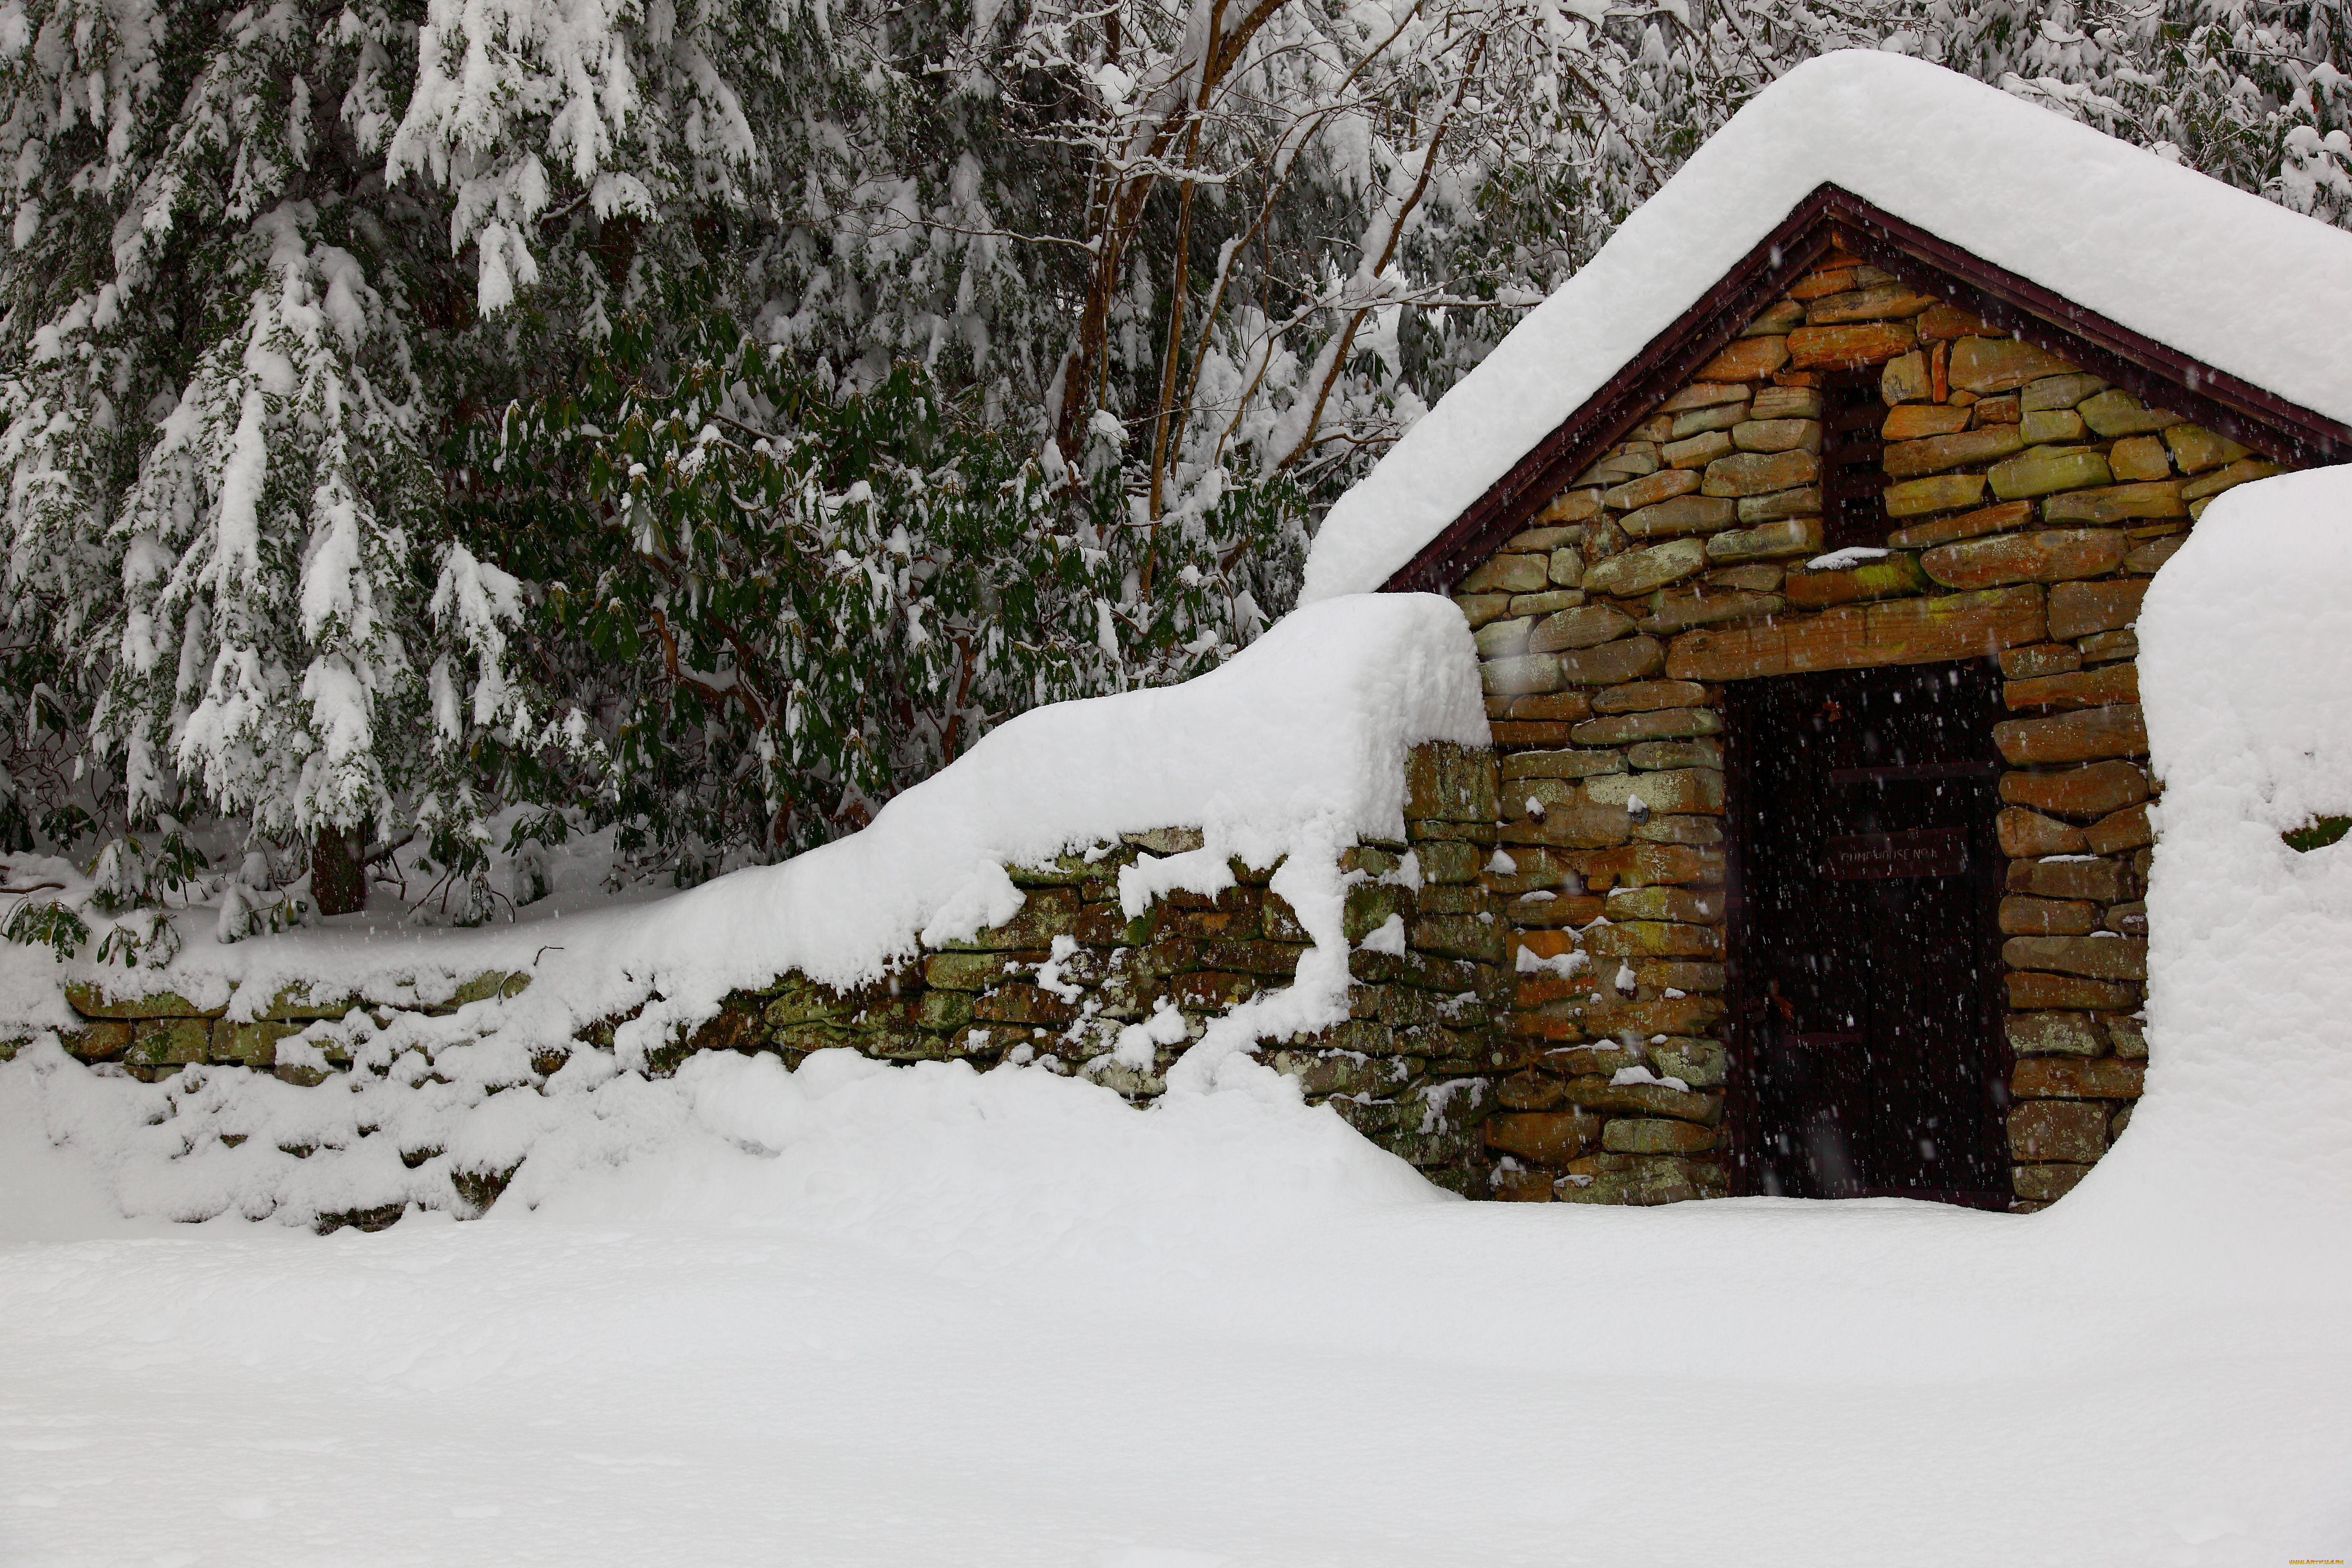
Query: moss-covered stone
1682	515
1643	1099
1656	724
1456	898
1654	1135
1071	870
2046	1184
2130	1040
1700	1063
1938	454
1654	938
2074	1132
796	999
1508	573
2076	1077
1443	863
953	1010
1361	1036
2115	412
156	1042
100	1040
1637	572
1984	365
1321	1073
2155	498
1795	517
489	983
2100	957
1689	905
1544	1137
2049	425
252	1045
1449	783
1479	938
2058	392
1045	913
306	1003
1673	790
961	971
1371	905
1164	840
2045	470
1940	493
91	1002
1888	578
2089	735
1581	627
2195	449
1640	1182
1405	1006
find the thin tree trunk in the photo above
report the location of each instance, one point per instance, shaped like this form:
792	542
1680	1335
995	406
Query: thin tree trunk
1161	425
339	869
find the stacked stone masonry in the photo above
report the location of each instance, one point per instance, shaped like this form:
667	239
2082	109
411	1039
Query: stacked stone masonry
2028	504
152	1036
1415	1066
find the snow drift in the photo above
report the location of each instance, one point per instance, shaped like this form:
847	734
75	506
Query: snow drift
2246	675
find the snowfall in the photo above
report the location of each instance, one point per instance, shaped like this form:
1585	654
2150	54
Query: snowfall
865	1314
862	1314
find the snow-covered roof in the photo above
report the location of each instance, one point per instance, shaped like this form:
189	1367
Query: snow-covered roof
2225	278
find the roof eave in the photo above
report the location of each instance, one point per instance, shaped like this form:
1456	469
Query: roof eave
2149	369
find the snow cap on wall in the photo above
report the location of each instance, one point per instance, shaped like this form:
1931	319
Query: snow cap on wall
2156	248
1311	723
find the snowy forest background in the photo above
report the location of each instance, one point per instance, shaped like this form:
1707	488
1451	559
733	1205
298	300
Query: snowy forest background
459	425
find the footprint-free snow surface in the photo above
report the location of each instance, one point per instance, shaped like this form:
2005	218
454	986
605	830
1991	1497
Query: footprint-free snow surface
869	1315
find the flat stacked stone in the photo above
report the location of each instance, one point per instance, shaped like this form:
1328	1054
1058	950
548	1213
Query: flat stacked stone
152	1036
2029	504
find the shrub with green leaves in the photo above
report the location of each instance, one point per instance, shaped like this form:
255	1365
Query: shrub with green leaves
776	601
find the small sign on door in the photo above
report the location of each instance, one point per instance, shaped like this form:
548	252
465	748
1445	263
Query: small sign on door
1883	857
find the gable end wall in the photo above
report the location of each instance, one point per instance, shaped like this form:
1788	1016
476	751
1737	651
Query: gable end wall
2028	505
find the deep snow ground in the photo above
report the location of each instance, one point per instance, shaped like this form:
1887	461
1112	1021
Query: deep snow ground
1030	1326
863	1315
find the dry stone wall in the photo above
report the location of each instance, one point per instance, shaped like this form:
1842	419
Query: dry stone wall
2026	504
152	1036
1414	1066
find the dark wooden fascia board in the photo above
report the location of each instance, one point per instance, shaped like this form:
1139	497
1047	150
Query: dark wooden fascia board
2155	374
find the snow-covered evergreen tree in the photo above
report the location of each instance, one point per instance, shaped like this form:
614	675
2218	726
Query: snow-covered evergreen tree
722	414
217	432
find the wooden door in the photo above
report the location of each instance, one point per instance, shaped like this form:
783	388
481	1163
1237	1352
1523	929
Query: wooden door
1865	889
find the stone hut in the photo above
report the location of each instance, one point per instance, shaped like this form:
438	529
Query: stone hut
1802	537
